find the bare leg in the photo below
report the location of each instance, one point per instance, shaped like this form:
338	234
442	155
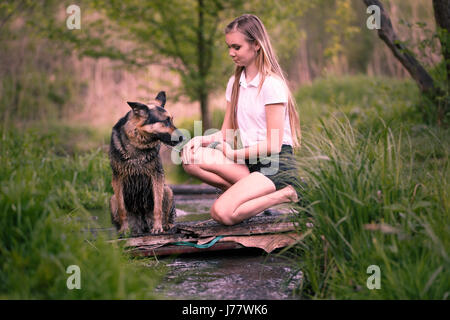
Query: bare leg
207	176
248	197
215	169
254	206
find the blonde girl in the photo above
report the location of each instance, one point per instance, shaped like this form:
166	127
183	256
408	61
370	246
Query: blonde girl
260	107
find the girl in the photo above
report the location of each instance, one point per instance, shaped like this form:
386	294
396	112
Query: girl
260	106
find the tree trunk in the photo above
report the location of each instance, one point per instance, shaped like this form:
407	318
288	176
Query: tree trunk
442	15
202	68
206	119
415	69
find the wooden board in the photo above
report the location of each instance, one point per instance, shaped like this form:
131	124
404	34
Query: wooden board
265	232
172	249
190	189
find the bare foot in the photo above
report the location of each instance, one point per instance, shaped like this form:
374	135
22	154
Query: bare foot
291	194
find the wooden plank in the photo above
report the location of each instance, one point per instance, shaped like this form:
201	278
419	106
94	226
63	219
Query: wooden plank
255	225
192	231
238	230
154	240
194	189
266	242
173	249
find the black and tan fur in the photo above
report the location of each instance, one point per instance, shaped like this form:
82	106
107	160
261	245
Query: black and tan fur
142	202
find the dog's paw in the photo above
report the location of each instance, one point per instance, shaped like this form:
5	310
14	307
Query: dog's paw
124	231
157	228
169	226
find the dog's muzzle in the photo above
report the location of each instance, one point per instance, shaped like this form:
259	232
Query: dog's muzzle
177	137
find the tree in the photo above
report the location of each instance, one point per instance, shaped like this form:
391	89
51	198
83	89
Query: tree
186	36
442	15
423	79
180	35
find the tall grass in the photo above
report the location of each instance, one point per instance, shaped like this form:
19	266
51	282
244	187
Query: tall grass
361	99
45	200
379	195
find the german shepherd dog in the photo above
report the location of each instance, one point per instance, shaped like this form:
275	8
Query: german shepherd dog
141	202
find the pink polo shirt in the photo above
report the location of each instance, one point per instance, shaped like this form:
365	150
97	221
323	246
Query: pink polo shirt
251	113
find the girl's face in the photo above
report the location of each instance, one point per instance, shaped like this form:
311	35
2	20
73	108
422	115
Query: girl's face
241	51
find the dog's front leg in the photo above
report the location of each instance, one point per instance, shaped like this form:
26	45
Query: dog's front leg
168	210
158	192
119	202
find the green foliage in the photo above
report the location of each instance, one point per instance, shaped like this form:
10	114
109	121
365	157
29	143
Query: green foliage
37	80
434	106
363	100
371	208
44	203
339	26
184	36
378	195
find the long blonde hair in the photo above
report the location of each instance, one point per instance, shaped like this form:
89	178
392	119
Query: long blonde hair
266	61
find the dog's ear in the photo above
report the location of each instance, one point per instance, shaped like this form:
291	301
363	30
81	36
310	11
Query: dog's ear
161	97
137	106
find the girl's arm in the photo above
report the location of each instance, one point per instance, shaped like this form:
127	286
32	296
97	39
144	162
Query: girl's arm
199	141
275	116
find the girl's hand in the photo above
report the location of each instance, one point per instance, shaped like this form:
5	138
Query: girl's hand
226	150
188	151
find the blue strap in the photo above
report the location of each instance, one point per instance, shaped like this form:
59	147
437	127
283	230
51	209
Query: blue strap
200	246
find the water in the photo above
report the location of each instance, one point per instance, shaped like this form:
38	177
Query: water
244	274
249	274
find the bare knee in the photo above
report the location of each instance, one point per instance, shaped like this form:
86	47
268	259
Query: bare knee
222	215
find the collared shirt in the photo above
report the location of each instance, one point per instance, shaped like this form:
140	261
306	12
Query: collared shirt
251	112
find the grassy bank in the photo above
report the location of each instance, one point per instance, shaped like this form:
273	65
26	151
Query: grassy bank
378	193
48	190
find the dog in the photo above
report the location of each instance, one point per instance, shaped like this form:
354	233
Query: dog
142	203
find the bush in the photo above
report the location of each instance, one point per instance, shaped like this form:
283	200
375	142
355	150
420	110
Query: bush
45	204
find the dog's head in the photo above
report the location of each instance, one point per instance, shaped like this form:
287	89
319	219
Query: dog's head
154	122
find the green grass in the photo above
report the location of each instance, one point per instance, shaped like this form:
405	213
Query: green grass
378	193
361	99
45	202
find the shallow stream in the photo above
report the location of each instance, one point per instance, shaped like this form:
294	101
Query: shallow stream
249	274
239	274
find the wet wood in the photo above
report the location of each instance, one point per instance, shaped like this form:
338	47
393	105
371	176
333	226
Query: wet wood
265	232
194	189
260	226
173	249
